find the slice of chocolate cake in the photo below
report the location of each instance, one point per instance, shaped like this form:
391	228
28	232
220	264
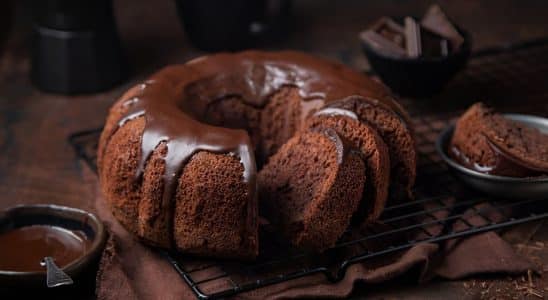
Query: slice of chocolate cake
374	153
311	187
396	135
488	142
212	214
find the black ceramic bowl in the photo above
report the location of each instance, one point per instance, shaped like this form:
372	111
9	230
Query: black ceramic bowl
418	77
54	215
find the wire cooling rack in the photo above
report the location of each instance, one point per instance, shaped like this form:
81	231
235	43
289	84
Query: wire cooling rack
511	78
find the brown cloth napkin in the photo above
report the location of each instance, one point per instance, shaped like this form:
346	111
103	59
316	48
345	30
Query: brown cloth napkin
129	270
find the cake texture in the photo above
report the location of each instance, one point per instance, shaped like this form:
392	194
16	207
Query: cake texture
179	154
488	142
393	127
311	188
370	147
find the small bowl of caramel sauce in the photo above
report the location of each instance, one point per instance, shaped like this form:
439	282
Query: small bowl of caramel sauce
74	239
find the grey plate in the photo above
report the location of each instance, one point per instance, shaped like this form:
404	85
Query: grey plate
499	186
48	214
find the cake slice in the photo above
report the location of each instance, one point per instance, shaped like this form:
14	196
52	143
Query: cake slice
212	214
488	142
393	130
373	151
311	187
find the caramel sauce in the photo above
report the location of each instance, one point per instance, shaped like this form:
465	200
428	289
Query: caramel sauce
22	249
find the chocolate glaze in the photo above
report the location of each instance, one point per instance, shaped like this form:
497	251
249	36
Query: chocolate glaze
254	76
504	165
333	111
369	101
184	136
175	100
22	249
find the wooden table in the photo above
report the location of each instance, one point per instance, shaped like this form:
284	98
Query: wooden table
37	164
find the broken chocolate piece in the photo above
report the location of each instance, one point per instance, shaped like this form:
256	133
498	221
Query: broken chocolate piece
390	30
445	47
382	44
434	36
436	21
412	38
433	45
386	36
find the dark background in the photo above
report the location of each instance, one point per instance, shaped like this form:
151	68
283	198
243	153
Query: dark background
38	166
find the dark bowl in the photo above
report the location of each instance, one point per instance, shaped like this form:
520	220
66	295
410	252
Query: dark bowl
418	77
48	214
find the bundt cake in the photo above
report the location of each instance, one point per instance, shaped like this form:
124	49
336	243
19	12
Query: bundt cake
311	188
488	142
179	153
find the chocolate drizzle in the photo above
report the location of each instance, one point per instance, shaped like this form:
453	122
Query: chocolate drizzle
183	135
333	111
254	76
174	101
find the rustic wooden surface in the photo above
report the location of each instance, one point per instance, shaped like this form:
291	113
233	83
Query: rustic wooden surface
38	166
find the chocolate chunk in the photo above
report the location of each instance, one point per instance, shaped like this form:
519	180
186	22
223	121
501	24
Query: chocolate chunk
436	21
382	44
433	45
412	38
433	36
390	30
386	36
445	47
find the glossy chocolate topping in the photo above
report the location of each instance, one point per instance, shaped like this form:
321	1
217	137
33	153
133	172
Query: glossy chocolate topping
254	76
166	121
22	249
333	111
176	98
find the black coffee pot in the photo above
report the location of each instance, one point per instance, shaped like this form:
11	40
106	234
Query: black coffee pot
75	46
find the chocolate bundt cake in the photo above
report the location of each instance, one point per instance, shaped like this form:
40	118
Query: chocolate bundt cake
179	153
311	188
488	142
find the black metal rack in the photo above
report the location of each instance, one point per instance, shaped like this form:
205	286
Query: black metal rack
443	209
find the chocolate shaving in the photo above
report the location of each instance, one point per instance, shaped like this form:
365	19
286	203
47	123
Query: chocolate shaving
386	36
436	21
433	45
412	38
381	44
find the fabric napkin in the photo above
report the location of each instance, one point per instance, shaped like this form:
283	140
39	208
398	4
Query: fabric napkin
130	270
